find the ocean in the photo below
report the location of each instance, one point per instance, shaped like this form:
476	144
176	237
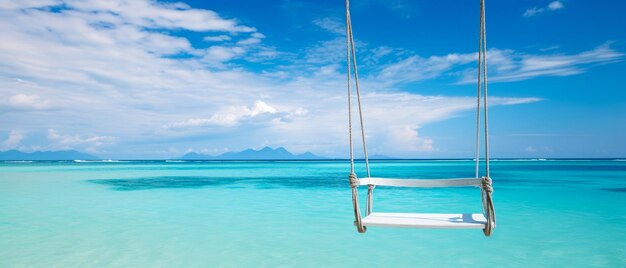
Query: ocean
299	214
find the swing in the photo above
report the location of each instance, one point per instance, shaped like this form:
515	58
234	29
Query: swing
485	220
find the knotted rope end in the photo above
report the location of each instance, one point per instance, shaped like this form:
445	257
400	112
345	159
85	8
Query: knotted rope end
354	181
487	185
487	189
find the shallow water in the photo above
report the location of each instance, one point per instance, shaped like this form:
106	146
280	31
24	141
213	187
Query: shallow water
268	214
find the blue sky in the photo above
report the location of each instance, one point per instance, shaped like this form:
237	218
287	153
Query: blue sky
147	79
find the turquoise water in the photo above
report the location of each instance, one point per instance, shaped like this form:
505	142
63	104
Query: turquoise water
269	214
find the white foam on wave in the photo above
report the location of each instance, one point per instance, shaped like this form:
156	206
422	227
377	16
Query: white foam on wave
175	161
18	161
519	160
450	160
100	161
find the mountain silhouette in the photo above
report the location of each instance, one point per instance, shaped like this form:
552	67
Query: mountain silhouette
266	153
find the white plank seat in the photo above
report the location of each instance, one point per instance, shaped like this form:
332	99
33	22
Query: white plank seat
425	220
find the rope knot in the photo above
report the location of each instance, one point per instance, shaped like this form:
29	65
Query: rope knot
487	186
354	182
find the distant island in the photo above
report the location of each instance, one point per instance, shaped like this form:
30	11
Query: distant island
266	153
45	155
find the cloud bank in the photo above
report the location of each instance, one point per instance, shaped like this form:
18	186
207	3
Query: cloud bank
118	77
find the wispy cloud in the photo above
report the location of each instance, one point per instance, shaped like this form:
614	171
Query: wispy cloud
217	38
416	68
254	38
331	25
525	66
554	5
505	65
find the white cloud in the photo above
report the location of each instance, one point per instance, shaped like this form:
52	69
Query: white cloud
14	140
407	137
532	12
26	102
66	142
223	53
554	5
232	115
227	117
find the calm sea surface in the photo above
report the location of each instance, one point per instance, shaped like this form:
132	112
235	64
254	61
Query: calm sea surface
269	214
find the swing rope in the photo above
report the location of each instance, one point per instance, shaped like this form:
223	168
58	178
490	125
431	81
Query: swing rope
354	181
487	188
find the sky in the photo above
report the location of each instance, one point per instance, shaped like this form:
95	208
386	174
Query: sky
157	79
